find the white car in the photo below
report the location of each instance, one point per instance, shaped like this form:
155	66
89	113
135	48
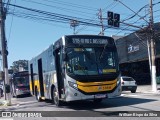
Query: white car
128	84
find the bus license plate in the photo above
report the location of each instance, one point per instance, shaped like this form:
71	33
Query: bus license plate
100	96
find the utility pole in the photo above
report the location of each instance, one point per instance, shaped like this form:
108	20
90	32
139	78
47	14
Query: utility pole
152	42
74	24
4	53
101	21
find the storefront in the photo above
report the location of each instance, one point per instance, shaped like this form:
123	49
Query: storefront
133	55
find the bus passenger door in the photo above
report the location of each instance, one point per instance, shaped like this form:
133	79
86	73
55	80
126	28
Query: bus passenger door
31	82
40	73
60	79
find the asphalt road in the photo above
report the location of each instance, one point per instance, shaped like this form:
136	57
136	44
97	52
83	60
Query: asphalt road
127	102
126	105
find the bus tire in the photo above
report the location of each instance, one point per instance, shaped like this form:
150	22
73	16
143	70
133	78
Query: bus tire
133	91
55	97
38	98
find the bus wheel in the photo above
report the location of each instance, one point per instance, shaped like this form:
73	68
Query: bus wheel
38	98
133	91
55	98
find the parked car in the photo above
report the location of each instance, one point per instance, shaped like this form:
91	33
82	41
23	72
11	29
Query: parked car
128	84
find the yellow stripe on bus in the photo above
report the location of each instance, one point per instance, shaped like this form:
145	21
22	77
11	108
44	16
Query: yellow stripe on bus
36	83
30	86
96	83
108	70
97	86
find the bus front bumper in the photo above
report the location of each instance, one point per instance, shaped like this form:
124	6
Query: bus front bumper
22	92
77	95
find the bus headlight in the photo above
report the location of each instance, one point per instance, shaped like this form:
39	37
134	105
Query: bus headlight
73	85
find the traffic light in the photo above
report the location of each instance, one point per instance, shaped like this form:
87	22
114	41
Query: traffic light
110	18
113	19
116	20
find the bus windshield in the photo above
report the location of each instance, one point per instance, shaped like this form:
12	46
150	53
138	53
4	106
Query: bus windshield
21	81
92	61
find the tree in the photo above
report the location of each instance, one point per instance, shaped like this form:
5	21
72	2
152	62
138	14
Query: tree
19	65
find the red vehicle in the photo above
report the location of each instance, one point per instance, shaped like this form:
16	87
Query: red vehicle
20	84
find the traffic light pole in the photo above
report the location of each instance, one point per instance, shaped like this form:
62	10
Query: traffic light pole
4	53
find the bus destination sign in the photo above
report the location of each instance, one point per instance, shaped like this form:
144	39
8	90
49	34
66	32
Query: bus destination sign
89	41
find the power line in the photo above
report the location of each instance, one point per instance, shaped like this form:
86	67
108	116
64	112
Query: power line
71	4
37	15
11	23
53	16
7	5
61	8
85	27
136	13
131	10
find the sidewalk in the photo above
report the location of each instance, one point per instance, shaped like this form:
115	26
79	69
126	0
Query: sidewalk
147	89
4	102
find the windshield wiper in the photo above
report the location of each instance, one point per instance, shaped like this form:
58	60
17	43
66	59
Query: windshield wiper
82	68
101	55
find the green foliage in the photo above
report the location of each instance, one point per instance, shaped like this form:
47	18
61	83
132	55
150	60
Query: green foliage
19	64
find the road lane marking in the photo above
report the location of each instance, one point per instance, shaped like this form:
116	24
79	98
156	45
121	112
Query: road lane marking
132	95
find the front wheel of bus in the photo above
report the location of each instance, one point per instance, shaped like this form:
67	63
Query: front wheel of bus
55	98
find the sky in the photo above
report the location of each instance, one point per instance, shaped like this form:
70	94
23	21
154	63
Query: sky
27	37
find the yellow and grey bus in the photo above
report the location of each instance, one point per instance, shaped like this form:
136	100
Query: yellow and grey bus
76	67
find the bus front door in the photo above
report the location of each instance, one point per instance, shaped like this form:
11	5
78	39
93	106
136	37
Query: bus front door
60	79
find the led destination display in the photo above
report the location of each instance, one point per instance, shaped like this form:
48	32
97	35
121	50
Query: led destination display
89	41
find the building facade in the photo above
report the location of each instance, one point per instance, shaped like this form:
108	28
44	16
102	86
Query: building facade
133	53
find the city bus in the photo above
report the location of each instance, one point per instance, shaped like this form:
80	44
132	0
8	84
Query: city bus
20	84
76	67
